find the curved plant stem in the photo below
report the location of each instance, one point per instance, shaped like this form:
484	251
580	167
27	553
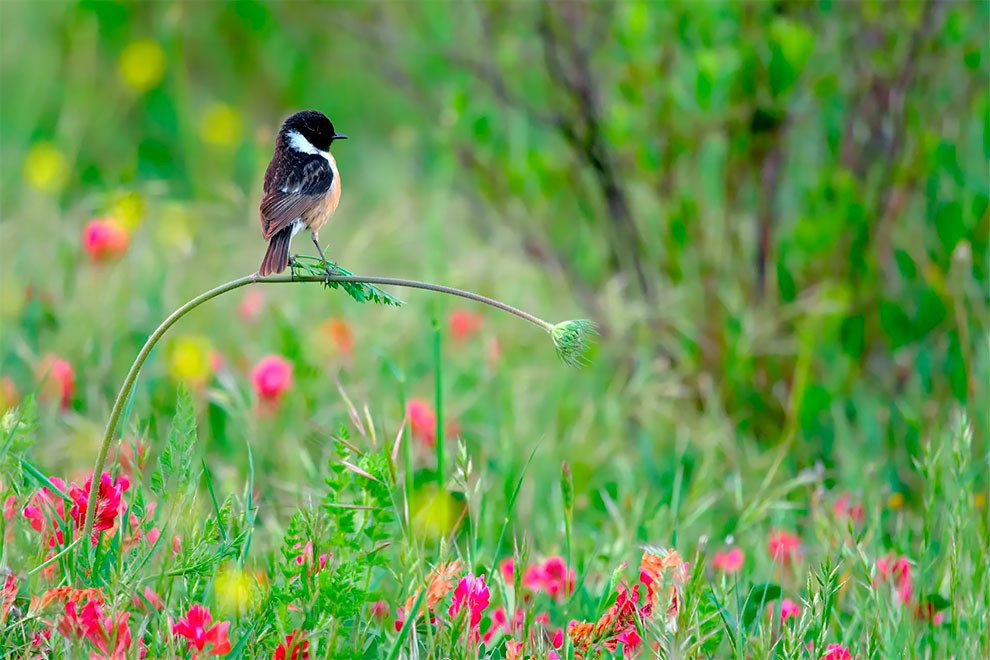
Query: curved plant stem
125	389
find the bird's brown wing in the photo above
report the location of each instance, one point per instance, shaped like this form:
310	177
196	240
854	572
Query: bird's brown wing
292	191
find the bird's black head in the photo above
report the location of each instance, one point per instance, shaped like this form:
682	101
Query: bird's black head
312	125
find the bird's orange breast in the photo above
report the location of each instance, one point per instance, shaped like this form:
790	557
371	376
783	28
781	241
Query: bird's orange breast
318	215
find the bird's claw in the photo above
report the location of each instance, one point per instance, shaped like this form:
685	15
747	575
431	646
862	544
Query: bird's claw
330	271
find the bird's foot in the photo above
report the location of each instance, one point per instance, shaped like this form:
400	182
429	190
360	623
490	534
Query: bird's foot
329	271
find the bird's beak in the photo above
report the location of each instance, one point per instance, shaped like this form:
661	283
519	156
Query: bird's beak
338	136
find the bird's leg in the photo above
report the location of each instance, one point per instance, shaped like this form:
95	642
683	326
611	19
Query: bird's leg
292	265
328	272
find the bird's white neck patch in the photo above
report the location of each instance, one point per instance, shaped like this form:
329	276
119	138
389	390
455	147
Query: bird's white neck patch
299	142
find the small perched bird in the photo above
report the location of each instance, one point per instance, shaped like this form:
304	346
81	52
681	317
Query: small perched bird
302	186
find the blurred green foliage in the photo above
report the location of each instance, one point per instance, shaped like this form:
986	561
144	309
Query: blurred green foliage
778	213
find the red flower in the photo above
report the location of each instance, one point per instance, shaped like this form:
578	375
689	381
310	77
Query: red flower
552	577
47	509
837	652
784	546
272	376
293	648
463	324
58	380
729	562
195	627
423	421
109	504
471	593
104	239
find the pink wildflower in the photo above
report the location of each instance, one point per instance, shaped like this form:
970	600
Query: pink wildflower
104	239
195	627
109	503
7	596
837	652
251	304
463	324
58	380
507	568
788	610
552	576
46	511
784	546
272	376
729	562
380	610
844	508
295	647
897	571
307	558
630	641
150	600
423	421
471	593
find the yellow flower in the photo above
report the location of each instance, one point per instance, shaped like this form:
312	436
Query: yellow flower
979	500
189	359
434	512
173	229
220	125
233	589
128	210
142	64
896	501
45	168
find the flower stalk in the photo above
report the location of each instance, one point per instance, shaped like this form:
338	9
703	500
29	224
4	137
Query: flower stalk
569	337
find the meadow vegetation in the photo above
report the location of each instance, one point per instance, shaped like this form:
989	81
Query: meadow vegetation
776	213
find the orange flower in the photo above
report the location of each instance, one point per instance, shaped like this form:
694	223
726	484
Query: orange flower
441	581
339	331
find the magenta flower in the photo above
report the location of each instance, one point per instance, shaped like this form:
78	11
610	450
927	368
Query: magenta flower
471	593
195	627
46	512
109	503
104	240
837	652
552	576
272	376
729	562
788	610
784	546
422	421
58	380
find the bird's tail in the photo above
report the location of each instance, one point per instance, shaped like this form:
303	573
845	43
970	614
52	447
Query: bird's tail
277	256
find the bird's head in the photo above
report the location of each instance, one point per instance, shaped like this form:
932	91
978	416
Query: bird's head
309	131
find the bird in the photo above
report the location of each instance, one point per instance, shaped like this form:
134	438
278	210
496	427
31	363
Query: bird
302	187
